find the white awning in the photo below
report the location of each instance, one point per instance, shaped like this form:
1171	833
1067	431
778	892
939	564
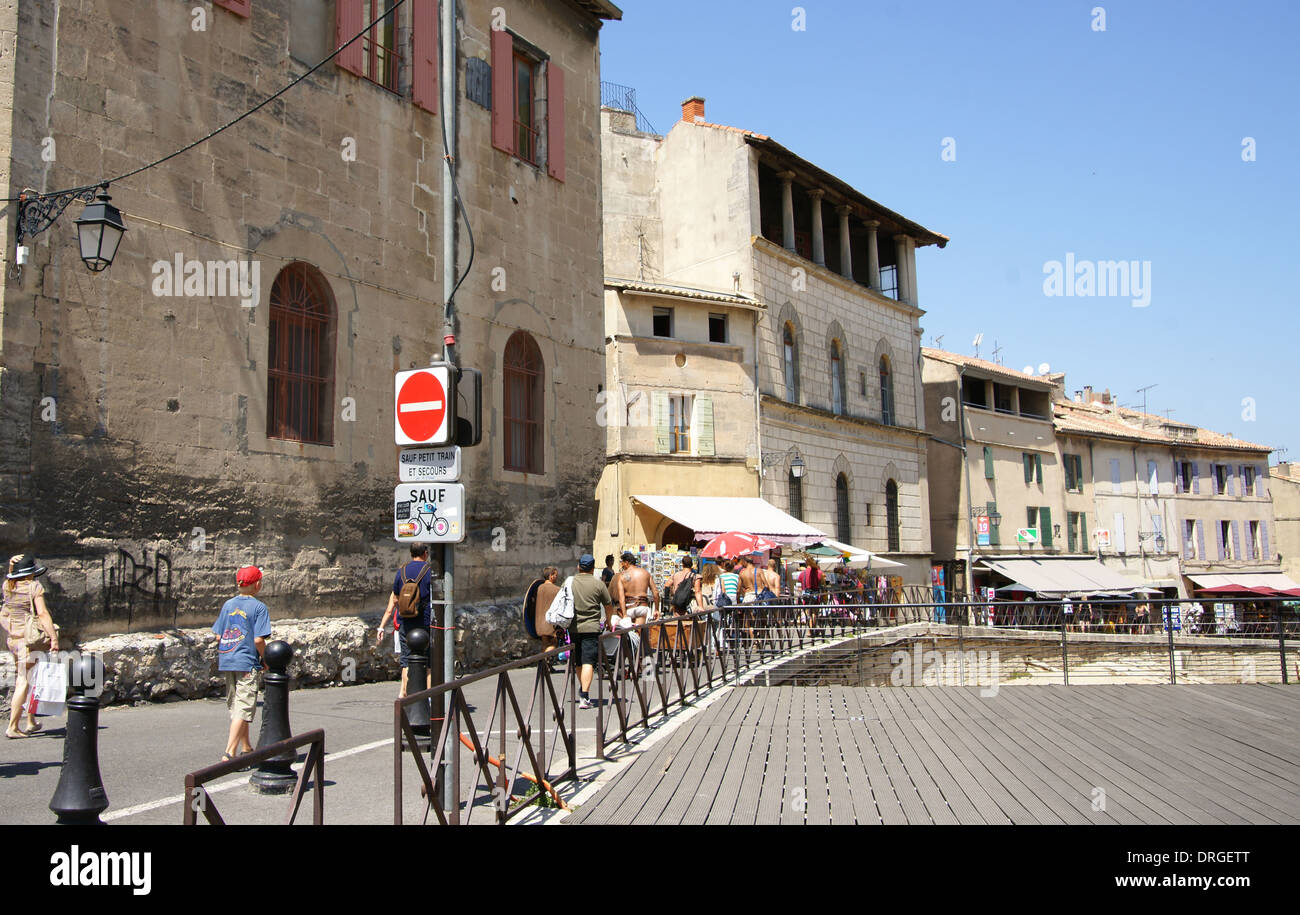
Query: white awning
1062	575
1278	581
708	516
858	558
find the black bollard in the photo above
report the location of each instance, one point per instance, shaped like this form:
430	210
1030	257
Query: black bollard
417	674
275	775
79	798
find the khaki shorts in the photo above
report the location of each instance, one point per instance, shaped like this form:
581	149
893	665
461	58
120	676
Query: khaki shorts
241	693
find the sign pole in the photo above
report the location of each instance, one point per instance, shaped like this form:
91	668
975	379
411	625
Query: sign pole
447	35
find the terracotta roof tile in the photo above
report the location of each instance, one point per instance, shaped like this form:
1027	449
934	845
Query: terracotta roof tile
983	365
1071	417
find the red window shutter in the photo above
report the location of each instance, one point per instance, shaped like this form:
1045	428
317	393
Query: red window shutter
238	7
349	20
554	121
503	91
424	50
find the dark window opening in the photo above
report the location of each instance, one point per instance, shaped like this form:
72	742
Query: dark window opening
891	516
524	374
663	322
844	530
717	328
300	359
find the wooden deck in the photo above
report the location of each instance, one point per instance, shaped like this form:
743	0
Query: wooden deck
1030	754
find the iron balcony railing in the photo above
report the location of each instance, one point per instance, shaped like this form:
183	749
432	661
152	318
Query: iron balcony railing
623	98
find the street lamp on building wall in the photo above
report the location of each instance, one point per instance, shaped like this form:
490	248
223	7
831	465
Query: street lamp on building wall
778	457
99	228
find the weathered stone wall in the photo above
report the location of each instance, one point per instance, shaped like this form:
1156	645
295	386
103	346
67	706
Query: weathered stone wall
137	463
182	663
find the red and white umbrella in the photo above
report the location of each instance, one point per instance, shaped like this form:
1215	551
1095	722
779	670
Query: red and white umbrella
735	543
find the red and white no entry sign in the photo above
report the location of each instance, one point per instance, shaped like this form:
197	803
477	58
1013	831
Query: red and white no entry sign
422	407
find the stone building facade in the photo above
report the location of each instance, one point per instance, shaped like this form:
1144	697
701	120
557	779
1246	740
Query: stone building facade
830	333
159	434
1284	487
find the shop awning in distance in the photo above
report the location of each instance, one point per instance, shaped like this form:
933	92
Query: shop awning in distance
1263	583
708	516
1062	575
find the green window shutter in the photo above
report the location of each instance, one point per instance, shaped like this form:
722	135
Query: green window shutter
1069	531
1038	467
704	425
1078	471
988	463
994	538
1045	523
1083	531
660	407
1029	467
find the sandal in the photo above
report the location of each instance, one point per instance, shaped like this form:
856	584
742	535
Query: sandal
33	727
14	734
226	757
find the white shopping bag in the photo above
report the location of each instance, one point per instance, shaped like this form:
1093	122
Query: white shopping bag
49	688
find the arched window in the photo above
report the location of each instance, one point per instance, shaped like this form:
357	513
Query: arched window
522	408
891	516
886	392
837	378
843	527
796	496
300	357
791	353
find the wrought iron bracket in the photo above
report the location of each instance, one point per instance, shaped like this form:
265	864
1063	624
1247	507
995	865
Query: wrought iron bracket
37	212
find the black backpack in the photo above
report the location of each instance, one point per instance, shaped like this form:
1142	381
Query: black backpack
684	594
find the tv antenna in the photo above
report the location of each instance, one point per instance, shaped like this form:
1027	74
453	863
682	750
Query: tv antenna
938	342
1143	392
997	348
979	338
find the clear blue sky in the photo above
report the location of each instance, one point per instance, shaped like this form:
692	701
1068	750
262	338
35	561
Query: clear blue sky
1117	145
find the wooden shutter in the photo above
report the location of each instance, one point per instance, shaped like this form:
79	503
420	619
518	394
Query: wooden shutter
1261	481
1236	540
1218	538
1250	543
1189	540
554	121
660	401
1029	467
704	425
424	54
1069	472
1178	477
1263	540
1038	467
238	7
1069	532
1200	539
1083	530
503	91
1045	519
1114	474
988	463
1229	487
349	21
1153	477
1196	478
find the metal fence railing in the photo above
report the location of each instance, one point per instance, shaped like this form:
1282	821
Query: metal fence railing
198	800
519	752
623	98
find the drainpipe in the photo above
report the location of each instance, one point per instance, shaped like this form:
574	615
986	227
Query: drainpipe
758	418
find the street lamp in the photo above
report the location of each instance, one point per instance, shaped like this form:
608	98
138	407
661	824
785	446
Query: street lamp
100	230
777	457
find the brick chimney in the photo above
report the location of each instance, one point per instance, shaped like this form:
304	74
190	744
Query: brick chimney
693	110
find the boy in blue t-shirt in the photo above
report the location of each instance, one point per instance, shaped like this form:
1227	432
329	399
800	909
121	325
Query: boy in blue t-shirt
242	630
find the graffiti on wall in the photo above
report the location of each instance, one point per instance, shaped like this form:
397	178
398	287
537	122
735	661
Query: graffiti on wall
137	588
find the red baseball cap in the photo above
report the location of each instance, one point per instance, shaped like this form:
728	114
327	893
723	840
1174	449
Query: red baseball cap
248	575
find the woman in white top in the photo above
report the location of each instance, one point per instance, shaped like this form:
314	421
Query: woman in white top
24	598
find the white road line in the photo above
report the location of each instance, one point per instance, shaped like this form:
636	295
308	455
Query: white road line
228	784
239	780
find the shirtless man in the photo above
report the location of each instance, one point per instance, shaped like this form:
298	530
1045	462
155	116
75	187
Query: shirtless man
748	590
636	593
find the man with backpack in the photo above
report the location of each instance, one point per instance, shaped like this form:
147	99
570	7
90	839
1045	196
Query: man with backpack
412	600
681	588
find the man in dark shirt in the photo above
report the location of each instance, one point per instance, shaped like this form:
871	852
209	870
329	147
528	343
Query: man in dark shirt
607	573
419	570
592	607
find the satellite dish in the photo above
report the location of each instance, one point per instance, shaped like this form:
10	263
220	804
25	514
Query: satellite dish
1044	369
1029	370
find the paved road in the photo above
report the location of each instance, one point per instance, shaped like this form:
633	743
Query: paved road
145	752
